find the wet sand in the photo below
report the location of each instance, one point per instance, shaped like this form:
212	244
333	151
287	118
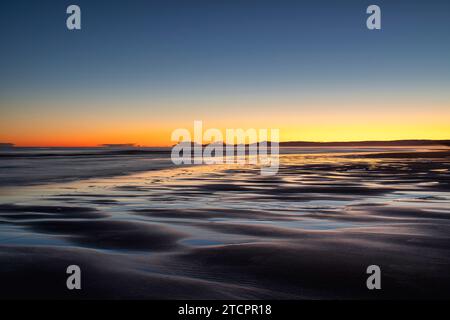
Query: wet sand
226	232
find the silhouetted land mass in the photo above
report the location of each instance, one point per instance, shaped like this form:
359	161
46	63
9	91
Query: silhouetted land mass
393	143
118	145
6	145
140	149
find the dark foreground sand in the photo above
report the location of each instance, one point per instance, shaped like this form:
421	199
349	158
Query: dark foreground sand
216	232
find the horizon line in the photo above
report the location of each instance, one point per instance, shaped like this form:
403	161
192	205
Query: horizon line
135	145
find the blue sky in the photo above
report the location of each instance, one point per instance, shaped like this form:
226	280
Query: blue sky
192	53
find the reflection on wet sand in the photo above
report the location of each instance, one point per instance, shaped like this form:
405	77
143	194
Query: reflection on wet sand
225	231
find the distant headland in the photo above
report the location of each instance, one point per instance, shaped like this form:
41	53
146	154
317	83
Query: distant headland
6	145
392	143
368	143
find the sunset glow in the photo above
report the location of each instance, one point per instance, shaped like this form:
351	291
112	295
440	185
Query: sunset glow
341	82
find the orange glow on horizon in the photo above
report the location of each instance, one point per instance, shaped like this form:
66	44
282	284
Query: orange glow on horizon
81	126
302	132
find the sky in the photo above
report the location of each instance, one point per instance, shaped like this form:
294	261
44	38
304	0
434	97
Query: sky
137	70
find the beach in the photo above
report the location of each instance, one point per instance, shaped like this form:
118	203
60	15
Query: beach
141	228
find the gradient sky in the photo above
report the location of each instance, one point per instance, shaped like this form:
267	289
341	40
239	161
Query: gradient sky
140	69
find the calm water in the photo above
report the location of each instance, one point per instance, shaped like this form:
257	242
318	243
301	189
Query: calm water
140	228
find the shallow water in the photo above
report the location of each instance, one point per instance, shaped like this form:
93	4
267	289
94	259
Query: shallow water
225	231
